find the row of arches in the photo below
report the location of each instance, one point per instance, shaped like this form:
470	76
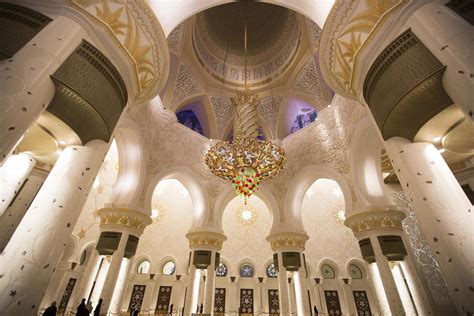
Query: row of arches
246	268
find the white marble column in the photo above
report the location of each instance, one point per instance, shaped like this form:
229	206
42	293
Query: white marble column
283	287
349	307
301	290
113	273
117	302
416	287
210	285
403	290
26	88
444	213
451	39
13	174
390	288
15	212
46	225
193	289
88	277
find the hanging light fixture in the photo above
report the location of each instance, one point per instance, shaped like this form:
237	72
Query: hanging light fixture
247	161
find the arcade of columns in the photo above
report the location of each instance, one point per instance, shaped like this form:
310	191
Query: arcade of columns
31	253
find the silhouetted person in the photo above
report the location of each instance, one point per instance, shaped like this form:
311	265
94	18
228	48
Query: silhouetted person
51	310
81	309
171	309
316	313
200	309
97	308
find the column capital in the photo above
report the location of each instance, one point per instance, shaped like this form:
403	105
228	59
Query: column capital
115	217
375	219
205	240
289	241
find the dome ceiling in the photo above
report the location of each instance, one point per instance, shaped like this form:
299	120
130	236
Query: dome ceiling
225	25
218	40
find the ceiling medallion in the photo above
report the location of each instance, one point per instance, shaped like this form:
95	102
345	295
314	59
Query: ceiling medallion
246	161
246	215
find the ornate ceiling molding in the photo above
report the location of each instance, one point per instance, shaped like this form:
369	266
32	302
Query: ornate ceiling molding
374	220
186	85
200	239
133	26
308	82
114	216
314	32
224	113
290	241
175	39
350	27
268	111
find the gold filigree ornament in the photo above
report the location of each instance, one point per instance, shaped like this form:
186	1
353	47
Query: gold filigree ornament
246	161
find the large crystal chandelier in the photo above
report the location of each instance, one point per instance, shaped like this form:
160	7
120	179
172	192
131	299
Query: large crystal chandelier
246	161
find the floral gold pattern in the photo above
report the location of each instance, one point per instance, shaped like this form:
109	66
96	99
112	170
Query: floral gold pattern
124	217
288	241
133	26
375	219
208	239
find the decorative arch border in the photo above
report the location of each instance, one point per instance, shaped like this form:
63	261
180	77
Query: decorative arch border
360	264
228	194
365	164
89	248
300	184
131	173
139	259
194	186
242	261
179	267
337	269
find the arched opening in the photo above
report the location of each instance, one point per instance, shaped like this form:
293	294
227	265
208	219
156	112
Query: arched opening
172	215
323	215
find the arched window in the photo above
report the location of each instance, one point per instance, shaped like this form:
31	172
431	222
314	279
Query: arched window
355	272
305	116
246	270
143	267
327	271
83	258
168	268
221	270
189	119
271	271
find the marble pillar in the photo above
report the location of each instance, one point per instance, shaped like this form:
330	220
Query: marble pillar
390	288
15	212
451	39
210	285
113	273
47	224
444	212
13	174
283	288
301	290
193	289
87	278
26	88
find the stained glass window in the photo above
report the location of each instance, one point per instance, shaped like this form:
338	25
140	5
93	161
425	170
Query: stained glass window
271	271
168	268
327	271
143	267
221	270
246	270
355	272
190	120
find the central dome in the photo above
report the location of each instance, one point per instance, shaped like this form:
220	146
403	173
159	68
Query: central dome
218	41
225	25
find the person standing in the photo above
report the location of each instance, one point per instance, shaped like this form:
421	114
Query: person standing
81	309
51	310
97	308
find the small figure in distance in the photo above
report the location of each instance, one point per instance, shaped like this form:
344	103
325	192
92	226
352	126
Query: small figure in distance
51	310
